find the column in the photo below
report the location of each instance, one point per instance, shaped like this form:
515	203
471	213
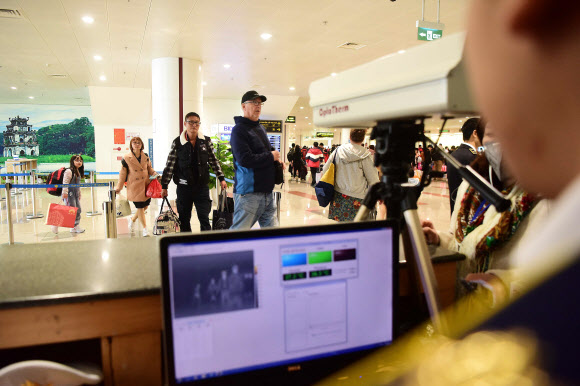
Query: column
175	90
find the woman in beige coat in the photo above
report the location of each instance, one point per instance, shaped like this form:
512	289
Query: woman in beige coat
136	170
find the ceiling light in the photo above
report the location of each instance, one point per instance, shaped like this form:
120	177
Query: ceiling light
13	88
460	121
292	88
88	19
204	83
333	74
227	66
401	51
310	123
98	57
306	117
266	36
301	107
30	97
103	77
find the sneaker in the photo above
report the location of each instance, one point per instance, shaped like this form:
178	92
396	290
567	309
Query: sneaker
54	229
131	224
145	232
77	229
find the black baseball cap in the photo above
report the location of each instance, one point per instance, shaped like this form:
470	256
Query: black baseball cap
251	95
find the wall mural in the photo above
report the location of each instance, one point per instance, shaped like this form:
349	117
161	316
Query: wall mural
49	133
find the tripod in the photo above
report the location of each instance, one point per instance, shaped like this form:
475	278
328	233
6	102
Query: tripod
394	153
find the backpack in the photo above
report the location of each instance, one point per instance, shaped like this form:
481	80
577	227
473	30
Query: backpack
56	177
290	155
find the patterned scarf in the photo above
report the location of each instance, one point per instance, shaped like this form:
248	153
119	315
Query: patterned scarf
471	214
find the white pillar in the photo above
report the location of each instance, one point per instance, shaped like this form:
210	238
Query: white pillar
164	107
192	89
166	102
345	136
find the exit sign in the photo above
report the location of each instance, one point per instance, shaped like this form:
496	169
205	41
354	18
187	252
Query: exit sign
291	119
428	33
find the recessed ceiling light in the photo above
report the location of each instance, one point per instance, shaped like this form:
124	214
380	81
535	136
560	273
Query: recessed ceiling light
401	51
103	77
306	117
98	57
227	66
310	123
13	88
204	83
460	121
266	36
301	107
88	19
292	88
333	74
30	97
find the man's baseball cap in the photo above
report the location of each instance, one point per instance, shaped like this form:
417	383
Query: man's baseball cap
251	95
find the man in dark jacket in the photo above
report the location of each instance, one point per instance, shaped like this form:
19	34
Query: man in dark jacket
253	166
465	154
188	163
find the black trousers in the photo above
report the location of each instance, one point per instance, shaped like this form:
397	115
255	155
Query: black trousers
313	172
187	196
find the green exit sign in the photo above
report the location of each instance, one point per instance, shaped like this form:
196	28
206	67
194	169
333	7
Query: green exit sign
428	33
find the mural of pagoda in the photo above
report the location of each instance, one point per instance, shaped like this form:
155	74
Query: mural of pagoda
20	138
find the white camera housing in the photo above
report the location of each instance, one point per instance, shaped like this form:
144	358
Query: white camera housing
424	80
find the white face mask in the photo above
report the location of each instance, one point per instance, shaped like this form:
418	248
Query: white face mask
493	154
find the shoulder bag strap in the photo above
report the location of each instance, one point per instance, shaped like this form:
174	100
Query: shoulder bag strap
264	140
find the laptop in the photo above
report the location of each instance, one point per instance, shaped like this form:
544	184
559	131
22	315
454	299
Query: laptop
276	306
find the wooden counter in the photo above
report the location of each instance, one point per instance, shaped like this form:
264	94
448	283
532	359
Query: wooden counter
107	290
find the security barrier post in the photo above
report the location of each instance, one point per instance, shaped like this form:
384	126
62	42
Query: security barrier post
277	198
34	214
110	208
9	214
93	211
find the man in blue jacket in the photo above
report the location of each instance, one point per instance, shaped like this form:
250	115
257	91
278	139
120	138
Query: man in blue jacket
254	167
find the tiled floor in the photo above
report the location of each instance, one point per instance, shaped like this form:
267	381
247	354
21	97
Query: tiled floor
298	207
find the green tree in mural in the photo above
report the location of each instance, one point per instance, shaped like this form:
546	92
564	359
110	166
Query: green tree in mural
76	137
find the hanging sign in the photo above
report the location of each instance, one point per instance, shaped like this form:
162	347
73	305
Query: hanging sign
291	119
272	126
428	34
323	134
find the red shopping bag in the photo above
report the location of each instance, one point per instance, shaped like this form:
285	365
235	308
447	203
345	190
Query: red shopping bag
154	189
61	215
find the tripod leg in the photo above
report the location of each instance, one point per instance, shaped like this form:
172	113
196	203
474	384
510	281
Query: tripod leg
422	259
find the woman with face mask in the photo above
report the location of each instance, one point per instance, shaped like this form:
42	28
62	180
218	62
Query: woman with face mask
487	237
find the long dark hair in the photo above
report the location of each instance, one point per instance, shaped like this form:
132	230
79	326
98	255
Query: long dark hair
77	171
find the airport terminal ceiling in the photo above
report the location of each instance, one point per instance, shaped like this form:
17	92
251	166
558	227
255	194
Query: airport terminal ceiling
48	52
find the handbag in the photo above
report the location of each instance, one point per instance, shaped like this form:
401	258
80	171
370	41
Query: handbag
154	189
123	207
223	216
167	221
61	215
324	188
278	173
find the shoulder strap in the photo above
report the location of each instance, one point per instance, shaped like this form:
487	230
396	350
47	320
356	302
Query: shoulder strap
264	140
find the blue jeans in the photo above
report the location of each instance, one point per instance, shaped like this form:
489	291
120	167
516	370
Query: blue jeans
252	207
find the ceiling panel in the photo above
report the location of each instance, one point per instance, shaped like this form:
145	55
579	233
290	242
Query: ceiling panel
128	34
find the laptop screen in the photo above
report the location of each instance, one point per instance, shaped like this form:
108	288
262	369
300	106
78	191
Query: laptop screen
239	302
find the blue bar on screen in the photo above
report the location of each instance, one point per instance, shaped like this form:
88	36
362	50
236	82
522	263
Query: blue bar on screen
294	259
